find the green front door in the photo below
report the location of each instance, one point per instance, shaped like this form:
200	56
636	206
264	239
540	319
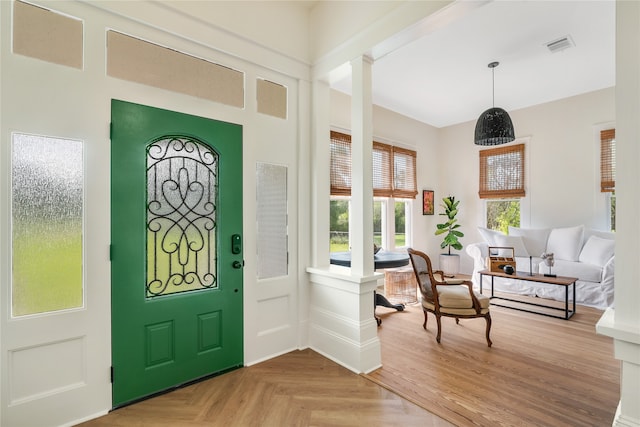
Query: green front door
176	270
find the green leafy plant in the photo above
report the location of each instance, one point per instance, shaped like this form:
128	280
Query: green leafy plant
450	227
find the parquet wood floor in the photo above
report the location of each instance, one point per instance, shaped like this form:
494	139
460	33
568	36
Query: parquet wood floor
539	372
301	388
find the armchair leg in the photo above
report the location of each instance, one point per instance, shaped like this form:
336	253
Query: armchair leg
488	318
424	325
439	329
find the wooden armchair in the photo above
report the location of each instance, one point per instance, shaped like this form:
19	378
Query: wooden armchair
451	298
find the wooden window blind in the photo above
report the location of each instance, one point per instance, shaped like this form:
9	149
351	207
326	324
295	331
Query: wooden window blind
394	169
608	160
404	176
340	173
502	172
382	169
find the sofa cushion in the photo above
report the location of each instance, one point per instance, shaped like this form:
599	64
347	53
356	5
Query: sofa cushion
581	270
489	235
566	243
535	239
597	251
514	242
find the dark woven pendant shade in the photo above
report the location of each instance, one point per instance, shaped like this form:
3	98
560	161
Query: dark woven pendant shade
494	127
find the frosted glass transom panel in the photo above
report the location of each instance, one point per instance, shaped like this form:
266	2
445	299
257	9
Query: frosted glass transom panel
47	226
272	220
182	191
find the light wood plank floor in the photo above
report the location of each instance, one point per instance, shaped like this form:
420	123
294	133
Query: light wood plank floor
539	372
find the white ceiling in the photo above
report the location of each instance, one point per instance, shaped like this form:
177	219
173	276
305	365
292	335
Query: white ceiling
442	78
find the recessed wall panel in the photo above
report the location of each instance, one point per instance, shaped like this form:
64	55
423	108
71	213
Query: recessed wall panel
40	371
47	35
272	98
273	314
139	61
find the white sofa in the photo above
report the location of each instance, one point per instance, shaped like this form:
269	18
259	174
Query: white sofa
578	252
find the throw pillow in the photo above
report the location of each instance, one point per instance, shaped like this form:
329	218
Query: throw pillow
489	235
597	251
566	243
535	239
514	242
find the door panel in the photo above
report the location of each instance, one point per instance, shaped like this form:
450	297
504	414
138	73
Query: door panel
176	203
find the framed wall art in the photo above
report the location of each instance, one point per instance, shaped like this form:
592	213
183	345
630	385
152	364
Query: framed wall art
427	202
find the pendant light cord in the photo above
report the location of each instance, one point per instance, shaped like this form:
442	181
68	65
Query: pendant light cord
493	66
493	86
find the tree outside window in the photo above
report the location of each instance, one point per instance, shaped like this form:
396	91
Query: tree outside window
503	213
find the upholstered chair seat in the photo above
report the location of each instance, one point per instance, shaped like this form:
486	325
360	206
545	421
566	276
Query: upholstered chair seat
455	299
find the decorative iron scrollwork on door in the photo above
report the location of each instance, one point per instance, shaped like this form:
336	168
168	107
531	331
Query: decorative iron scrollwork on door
182	190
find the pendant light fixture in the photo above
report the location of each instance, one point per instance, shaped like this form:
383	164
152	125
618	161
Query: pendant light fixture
494	126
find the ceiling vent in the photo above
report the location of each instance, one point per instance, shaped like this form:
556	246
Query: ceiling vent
560	44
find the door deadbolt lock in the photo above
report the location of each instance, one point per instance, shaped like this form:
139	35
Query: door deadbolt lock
236	244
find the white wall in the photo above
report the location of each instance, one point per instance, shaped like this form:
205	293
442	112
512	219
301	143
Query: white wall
279	26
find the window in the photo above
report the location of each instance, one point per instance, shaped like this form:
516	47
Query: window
503	213
339	224
47	224
608	171
394	185
379	222
271	221
182	200
402	223
502	181
391	223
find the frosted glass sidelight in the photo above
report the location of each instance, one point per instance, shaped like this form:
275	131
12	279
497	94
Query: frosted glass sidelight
182	192
272	220
47	226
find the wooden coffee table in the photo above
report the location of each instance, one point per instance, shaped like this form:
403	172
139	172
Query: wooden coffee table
567	282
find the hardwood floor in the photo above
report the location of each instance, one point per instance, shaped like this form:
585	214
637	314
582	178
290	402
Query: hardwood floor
539	372
301	388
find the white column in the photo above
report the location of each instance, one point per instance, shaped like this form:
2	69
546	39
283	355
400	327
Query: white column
341	300
320	179
623	322
361	215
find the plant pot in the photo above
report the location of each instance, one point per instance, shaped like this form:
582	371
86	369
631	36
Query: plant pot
450	264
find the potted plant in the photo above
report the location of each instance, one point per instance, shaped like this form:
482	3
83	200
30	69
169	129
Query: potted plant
450	263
